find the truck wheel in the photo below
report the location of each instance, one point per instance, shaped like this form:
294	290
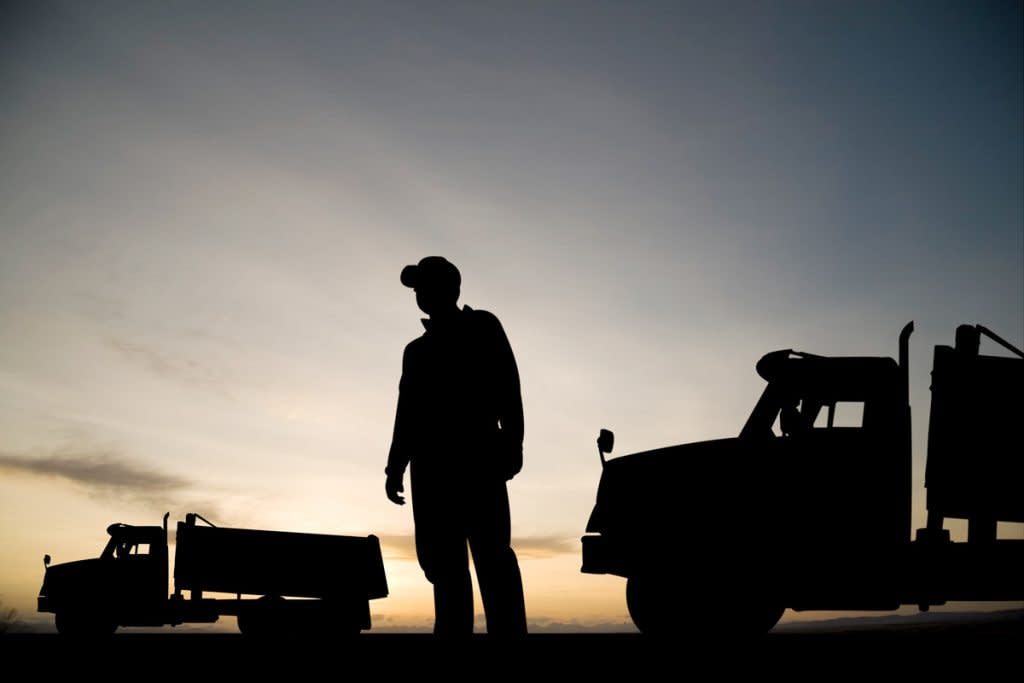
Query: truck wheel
331	623
84	625
329	628
748	610
657	610
265	617
762	618
649	607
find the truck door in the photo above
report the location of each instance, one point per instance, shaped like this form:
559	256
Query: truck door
138	566
846	503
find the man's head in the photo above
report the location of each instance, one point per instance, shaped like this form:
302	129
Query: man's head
437	283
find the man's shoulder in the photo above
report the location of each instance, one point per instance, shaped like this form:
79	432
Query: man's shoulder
415	347
416	343
482	317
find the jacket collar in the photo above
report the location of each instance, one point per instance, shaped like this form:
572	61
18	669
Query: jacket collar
432	326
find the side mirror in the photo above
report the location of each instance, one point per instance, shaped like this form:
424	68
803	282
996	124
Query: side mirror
46	560
605	443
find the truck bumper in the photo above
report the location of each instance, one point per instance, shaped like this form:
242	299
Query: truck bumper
601	557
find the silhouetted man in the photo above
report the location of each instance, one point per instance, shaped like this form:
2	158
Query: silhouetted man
459	424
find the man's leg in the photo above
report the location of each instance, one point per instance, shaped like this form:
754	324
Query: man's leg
497	570
453	592
441	550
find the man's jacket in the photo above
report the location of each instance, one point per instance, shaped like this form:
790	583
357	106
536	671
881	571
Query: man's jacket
460	411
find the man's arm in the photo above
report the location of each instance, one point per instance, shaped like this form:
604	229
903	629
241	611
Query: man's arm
398	456
510	402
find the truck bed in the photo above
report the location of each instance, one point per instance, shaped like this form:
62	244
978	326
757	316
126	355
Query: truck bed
256	562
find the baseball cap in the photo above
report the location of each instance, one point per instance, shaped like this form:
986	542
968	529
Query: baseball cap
431	271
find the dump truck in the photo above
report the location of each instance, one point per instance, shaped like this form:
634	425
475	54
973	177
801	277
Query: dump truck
276	582
809	507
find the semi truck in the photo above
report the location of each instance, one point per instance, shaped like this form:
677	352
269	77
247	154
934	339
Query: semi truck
277	582
809	507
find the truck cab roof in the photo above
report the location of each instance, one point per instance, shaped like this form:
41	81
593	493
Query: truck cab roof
134	534
833	378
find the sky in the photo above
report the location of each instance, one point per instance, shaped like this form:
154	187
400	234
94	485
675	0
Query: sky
205	207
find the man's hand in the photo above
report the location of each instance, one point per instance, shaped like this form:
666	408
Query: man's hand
393	487
513	461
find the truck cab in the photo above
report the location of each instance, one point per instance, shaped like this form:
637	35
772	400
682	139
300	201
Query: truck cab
833	433
125	585
807	507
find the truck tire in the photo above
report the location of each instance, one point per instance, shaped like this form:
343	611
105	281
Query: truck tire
273	616
651	612
84	624
333	621
762	618
264	618
657	609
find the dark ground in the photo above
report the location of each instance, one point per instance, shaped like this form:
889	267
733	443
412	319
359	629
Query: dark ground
984	648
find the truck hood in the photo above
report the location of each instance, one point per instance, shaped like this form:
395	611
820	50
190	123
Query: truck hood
68	578
661	483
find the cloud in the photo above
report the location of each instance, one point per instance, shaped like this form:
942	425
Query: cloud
403	546
540	547
171	366
97	470
106	473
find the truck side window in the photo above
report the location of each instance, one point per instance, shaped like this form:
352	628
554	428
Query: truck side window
848	414
127	550
841	414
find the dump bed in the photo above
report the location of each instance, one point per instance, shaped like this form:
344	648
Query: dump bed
254	562
976	435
